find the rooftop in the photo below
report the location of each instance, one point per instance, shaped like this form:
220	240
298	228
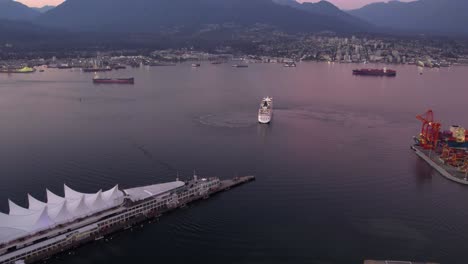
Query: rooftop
40	216
141	193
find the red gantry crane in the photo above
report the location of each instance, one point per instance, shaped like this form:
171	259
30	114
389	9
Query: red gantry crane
430	130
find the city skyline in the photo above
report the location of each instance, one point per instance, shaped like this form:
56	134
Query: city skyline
343	4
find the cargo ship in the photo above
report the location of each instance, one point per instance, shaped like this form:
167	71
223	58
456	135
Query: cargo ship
119	67
445	151
162	64
61	223
15	70
240	66
116	81
375	72
64	66
96	69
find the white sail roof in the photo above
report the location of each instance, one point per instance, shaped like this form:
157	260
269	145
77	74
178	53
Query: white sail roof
60	214
78	208
35	204
35	221
43	221
111	194
58	210
96	202
71	194
52	198
17	210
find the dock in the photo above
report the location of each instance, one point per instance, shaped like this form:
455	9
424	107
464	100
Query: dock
447	171
124	209
228	184
395	262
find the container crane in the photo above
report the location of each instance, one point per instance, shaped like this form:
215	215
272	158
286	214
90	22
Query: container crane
430	130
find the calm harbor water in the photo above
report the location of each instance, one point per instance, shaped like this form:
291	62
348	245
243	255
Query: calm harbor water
336	180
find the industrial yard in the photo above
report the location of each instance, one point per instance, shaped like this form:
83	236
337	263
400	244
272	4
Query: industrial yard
446	151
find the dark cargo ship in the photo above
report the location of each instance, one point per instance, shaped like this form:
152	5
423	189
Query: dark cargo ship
119	67
240	66
97	69
117	81
375	72
161	64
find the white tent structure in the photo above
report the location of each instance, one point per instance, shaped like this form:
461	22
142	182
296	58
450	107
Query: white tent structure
58	210
35	204
16	209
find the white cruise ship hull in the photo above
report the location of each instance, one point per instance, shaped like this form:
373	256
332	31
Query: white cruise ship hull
265	112
264	119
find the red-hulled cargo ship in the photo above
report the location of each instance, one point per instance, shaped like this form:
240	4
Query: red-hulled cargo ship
117	81
375	72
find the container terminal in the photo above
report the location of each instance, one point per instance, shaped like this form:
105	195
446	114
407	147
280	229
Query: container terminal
44	229
446	151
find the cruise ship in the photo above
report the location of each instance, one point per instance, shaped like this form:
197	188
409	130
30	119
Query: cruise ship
44	229
265	113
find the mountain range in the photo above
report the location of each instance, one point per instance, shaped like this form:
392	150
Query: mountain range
43	9
191	16
423	16
327	9
188	15
13	10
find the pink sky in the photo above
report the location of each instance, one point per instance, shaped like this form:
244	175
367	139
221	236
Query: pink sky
351	4
344	4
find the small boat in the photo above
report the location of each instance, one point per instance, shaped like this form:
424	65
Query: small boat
196	65
116	81
216	62
289	64
64	66
240	66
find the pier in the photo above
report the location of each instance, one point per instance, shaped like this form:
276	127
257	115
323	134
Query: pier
228	184
447	171
395	262
112	211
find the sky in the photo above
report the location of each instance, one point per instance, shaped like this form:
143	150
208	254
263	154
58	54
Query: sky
343	4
